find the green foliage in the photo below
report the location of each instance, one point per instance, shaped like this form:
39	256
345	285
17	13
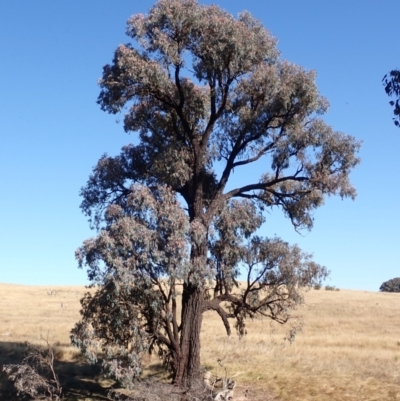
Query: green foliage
392	285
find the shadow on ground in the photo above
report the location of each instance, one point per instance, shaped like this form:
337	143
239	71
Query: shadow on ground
83	382
79	380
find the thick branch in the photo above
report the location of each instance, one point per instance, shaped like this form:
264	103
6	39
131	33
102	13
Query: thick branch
221	312
160	337
172	343
240	145
179	107
175	326
261	186
255	158
215	114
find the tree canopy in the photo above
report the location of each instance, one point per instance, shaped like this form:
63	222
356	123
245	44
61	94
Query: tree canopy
207	95
392	285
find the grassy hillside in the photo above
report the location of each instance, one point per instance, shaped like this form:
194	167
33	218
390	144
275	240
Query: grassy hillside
349	348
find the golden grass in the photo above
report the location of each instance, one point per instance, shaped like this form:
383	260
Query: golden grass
29	313
349	348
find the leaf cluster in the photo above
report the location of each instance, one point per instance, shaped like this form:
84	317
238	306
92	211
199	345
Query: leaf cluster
391	81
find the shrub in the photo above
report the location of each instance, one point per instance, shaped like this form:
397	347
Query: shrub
331	288
317	286
35	375
392	285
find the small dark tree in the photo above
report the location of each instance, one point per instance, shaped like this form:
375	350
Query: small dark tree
391	82
392	285
207	95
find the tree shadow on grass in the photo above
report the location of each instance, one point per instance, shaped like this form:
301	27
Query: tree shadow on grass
157	371
79	380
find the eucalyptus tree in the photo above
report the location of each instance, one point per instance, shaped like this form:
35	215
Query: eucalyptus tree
391	81
207	95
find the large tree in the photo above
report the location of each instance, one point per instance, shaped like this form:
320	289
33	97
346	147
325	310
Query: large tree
208	95
391	82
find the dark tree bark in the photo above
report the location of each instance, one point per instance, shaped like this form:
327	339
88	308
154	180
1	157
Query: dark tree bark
188	367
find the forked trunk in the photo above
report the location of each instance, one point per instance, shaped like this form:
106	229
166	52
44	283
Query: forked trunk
188	364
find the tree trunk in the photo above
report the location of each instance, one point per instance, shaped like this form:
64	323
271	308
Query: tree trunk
188	366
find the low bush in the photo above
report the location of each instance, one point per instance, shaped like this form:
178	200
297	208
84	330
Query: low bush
331	288
35	375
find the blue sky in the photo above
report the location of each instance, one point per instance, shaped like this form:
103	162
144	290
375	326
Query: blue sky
53	132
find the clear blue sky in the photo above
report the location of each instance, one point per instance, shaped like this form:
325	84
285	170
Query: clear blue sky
53	132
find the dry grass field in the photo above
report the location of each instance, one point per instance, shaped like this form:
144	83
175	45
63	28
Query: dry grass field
349	348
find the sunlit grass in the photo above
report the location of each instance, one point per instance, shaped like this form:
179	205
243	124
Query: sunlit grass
349	348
